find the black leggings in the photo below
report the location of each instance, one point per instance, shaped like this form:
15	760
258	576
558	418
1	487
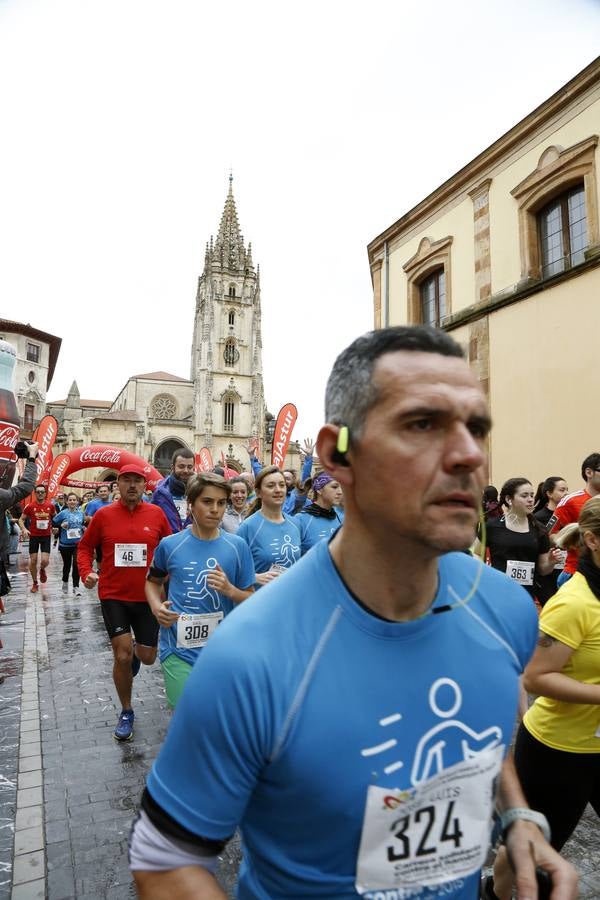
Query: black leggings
557	783
69	555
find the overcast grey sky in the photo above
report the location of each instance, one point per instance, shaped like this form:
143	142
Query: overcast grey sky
121	118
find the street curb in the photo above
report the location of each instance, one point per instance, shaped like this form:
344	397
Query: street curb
29	870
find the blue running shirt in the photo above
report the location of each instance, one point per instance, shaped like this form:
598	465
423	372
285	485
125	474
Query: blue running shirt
72	534
188	561
315	528
303	702
271	543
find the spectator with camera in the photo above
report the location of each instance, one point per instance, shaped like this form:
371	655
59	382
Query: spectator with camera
8	498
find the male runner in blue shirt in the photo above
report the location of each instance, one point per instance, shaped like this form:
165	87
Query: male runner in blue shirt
354	717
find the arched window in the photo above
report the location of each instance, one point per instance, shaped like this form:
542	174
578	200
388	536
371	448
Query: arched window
232	290
433	298
231	353
558	212
231	317
563	231
429	279
228	414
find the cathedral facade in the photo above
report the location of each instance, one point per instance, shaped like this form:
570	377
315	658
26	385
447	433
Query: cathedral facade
221	406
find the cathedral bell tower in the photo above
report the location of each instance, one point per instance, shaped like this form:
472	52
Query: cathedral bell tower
226	365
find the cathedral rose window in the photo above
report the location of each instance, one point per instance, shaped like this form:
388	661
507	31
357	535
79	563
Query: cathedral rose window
163	407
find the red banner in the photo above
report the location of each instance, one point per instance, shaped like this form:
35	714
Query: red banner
58	470
99	456
45	435
204	462
283	433
43	478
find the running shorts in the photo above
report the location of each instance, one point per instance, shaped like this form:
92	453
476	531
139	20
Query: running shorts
39	543
176	672
122	617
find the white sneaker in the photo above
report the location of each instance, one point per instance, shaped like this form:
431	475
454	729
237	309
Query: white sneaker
77	592
65	587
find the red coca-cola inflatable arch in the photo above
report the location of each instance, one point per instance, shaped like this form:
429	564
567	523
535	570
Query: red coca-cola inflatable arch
93	457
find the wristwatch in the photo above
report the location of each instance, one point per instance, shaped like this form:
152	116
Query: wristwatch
509	816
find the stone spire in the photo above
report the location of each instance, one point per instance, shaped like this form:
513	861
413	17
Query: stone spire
73	401
249	262
229	250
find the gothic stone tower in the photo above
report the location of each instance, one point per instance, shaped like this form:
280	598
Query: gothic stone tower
226	366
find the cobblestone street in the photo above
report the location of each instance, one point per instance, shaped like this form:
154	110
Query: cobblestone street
68	791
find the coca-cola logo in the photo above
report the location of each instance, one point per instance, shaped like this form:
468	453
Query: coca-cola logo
9	435
101	456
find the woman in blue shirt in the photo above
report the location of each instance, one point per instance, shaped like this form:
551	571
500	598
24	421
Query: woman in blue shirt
273	537
70	530
321	518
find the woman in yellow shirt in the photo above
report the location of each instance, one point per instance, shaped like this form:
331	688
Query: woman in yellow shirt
557	750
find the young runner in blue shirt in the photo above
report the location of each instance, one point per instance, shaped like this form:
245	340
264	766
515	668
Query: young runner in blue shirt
208	571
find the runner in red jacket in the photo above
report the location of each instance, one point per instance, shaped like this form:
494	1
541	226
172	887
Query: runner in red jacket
128	532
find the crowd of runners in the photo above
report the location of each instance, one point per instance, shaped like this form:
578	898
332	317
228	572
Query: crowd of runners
355	719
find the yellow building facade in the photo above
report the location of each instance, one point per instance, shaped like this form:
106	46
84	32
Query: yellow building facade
505	256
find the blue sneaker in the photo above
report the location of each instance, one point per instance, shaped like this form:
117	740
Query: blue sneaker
124	729
135	663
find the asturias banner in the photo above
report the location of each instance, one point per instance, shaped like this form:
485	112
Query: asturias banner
59	468
45	435
283	433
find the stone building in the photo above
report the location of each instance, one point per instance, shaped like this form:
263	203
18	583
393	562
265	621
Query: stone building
505	255
221	406
37	353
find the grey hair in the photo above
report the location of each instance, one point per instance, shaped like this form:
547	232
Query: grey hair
350	391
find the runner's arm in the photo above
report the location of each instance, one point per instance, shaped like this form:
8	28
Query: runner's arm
165	866
546	561
526	846
239	594
187	883
21	524
219	580
154	590
544	674
308	462
255	465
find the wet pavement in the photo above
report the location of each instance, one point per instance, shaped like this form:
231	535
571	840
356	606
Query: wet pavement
64	834
68	791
